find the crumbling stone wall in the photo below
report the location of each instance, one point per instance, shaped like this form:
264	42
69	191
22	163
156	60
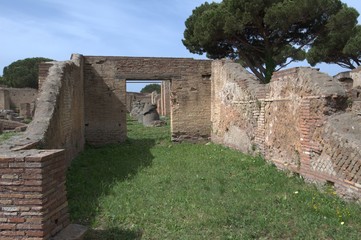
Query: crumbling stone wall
356	76
59	116
105	78
289	121
236	107
32	181
355	92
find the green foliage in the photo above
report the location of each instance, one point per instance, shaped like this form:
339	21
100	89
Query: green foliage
263	36
151	88
341	43
23	73
149	188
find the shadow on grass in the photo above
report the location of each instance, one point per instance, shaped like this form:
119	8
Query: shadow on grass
113	234
94	172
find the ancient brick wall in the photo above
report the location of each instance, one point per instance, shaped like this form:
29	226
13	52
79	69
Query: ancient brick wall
237	107
32	182
105	79
59	116
32	194
290	121
105	102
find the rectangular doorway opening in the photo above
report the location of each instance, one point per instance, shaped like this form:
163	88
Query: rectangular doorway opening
148	104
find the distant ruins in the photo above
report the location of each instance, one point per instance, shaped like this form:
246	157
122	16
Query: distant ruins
303	121
16	105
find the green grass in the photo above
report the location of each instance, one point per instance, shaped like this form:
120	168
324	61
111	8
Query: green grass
6	135
149	188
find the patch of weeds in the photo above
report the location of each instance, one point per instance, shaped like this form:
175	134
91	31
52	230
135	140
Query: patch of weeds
7	135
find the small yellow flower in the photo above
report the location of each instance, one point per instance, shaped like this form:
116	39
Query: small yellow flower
342	223
296	192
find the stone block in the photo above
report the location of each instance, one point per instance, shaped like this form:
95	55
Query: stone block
25	110
72	232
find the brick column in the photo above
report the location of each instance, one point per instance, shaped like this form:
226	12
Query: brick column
166	98
260	130
308	122
32	194
4	99
305	155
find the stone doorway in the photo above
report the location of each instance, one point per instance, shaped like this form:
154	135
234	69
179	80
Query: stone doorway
158	102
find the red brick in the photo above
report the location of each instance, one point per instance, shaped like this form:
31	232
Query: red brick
12	233
35	233
7	226
35	220
30	226
16	220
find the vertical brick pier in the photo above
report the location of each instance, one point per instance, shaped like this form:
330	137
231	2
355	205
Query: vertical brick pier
33	202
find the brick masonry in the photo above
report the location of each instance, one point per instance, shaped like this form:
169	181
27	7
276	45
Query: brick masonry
105	79
302	121
32	197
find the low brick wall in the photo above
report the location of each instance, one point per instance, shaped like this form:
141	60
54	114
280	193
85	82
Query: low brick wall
32	194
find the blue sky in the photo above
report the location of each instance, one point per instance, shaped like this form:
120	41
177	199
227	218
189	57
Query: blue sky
57	28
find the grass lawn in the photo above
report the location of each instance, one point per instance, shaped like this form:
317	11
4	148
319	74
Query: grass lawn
149	188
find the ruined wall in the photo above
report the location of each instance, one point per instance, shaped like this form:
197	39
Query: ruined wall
236	107
4	99
355	92
105	102
105	79
13	98
59	116
356	76
289	121
17	96
32	182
